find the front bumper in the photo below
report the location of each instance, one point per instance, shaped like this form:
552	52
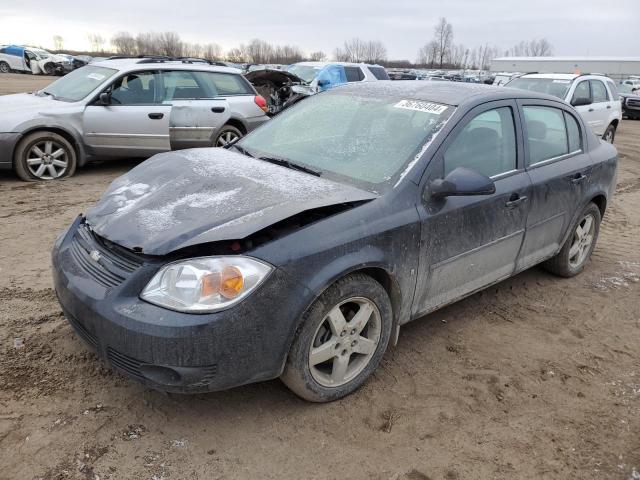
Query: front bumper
8	142
173	351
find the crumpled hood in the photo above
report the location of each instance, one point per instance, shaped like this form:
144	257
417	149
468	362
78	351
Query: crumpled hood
189	197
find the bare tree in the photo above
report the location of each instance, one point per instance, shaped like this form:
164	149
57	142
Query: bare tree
58	42
238	54
428	54
169	44
97	42
124	43
259	51
357	50
212	51
318	56
444	39
531	48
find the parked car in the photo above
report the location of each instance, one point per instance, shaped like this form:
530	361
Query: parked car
502	78
291	256
124	108
632	82
594	96
283	88
630	100
33	60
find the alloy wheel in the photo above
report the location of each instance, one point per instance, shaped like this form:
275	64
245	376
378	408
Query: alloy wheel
47	160
226	137
345	342
582	240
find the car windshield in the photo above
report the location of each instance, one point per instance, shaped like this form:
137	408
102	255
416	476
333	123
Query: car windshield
78	84
305	72
362	140
551	86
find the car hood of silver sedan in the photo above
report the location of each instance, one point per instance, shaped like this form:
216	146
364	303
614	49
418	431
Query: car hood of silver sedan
190	197
22	107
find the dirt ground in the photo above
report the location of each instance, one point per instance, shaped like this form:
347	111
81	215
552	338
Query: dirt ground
538	377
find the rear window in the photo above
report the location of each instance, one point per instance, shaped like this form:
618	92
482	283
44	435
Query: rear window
550	86
354	74
379	72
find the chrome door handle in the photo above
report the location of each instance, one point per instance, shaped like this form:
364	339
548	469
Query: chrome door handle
515	200
578	178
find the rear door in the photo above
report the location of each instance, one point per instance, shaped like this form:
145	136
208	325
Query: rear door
559	169
582	92
134	124
198	110
469	242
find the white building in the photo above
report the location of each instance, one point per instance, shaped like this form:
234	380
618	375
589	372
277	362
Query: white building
617	68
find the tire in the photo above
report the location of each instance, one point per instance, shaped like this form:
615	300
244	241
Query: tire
227	134
362	351
4	67
48	68
567	263
58	155
609	134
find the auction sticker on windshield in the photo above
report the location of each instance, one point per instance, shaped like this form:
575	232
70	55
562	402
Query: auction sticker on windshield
420	106
96	76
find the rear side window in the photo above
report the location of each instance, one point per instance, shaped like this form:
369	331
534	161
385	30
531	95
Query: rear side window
573	133
182	85
582	91
354	74
487	144
546	133
379	72
612	88
229	84
599	92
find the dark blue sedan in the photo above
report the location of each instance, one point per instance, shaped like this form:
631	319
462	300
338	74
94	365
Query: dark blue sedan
299	251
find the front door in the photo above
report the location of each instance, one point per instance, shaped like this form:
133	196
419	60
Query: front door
559	170
601	106
469	242
134	124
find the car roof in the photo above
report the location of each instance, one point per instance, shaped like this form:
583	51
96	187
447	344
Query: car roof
345	64
562	76
448	93
131	64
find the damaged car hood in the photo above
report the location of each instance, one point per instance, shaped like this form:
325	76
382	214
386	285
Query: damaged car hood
273	75
189	197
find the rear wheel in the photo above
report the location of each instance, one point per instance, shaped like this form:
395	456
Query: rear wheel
227	135
48	68
44	156
341	341
576	251
609	134
4	67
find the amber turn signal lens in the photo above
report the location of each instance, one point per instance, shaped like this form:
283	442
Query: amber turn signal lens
232	282
210	285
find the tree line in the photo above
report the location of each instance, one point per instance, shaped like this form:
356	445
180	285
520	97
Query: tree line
440	52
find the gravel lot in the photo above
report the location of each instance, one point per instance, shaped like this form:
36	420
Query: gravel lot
538	377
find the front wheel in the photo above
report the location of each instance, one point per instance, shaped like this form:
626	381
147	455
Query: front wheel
576	251
4	67
342	339
609	134
227	135
44	156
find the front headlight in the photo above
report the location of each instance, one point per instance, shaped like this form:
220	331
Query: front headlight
205	284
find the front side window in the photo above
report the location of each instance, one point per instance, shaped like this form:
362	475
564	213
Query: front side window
582	91
354	74
76	85
367	141
137	88
487	144
546	133
599	92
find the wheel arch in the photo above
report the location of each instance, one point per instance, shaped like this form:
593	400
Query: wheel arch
235	122
69	136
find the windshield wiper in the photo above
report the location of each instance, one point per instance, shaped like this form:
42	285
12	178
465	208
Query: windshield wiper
283	162
50	94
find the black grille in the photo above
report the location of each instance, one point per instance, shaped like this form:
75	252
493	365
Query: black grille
82	332
633	103
124	362
107	263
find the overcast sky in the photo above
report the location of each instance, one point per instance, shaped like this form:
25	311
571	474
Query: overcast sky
574	27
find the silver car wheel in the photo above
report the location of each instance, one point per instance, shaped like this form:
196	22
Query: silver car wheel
226	137
345	342
582	240
47	160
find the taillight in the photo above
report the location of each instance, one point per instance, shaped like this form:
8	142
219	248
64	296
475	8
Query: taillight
261	102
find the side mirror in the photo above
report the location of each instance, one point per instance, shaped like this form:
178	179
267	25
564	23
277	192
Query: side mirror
577	102
323	82
105	98
462	182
